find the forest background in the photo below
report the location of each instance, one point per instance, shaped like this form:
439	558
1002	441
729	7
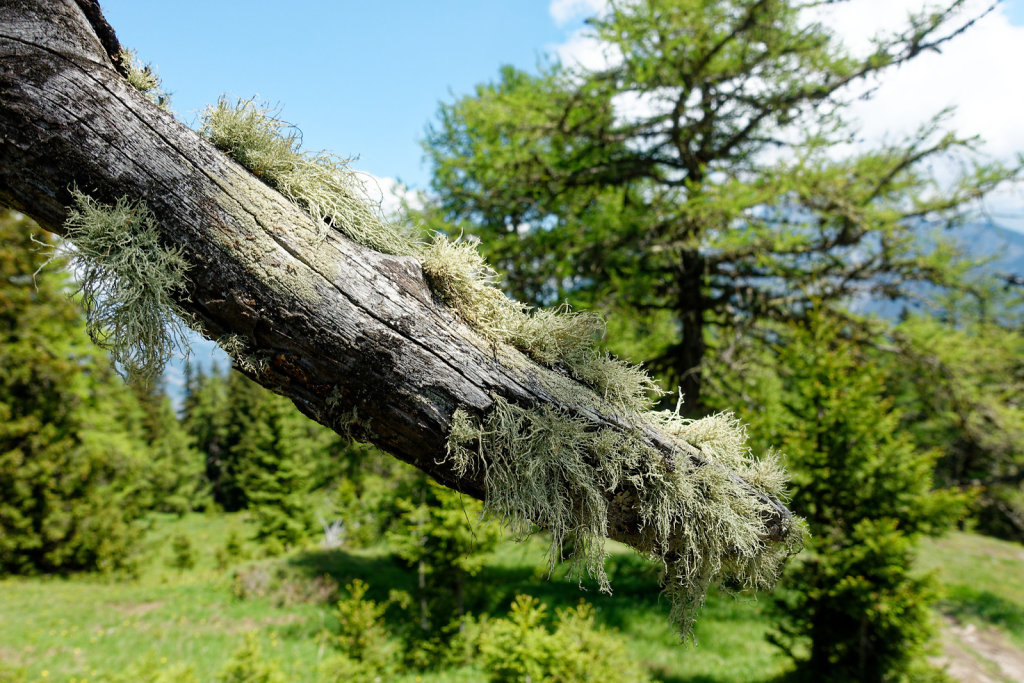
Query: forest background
897	421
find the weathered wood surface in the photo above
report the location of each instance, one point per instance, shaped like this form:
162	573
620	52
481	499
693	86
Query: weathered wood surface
346	332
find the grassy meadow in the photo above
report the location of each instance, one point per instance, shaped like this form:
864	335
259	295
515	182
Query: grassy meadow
165	620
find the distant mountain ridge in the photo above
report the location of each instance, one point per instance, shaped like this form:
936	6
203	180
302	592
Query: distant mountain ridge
987	239
1000	249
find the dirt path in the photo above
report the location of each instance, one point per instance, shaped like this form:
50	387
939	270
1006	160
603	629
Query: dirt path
973	654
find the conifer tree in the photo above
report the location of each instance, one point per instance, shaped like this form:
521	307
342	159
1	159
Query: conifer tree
206	417
269	461
437	534
232	407
961	394
70	455
866	492
261	453
175	471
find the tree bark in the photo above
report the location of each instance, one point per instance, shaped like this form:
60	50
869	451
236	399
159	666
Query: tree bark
688	359
354	337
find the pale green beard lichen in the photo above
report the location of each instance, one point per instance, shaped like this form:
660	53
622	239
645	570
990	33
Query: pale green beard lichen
233	344
462	278
320	183
237	347
559	338
127	281
143	78
324	186
548	468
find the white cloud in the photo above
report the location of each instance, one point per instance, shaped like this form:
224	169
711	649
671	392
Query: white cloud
975	73
389	195
564	11
583	50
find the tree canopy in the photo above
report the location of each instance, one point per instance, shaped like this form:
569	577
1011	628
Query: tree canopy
706	181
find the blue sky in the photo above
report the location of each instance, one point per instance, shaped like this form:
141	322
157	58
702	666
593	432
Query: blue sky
359	77
1015	11
363	78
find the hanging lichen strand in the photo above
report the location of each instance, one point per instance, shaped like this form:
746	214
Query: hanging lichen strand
697	515
547	468
127	281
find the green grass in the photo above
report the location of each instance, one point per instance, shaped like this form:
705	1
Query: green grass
730	635
91	629
983	580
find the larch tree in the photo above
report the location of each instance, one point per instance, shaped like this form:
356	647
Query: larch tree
697	182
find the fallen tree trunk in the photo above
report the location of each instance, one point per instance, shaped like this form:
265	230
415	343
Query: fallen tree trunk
355	338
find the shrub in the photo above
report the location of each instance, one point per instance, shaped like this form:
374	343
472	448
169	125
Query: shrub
231	552
184	556
522	646
362	640
9	674
248	665
149	669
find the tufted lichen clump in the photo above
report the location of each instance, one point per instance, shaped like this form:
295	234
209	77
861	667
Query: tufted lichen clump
561	338
697	515
330	192
143	78
321	183
127	281
236	346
